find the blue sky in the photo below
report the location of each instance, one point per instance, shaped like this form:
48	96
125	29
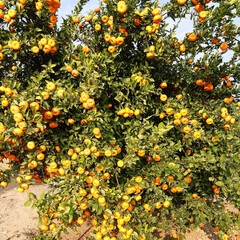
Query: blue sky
185	26
68	5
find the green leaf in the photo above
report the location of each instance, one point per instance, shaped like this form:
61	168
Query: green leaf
28	203
42	195
220	184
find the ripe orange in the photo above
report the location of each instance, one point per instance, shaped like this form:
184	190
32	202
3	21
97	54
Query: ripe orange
39	6
7	18
209	121
12	13
120	163
194	195
164	186
81	170
2	5
138	179
224	46
199	7
120	40
98	27
85	49
75	19
163	97
40	156
4	184
186	129
44	228
182	48
141	153
17	131
14	109
163	85
157	19
150	55
121	7
69	69
19	180
156	11
18	117
181	2
105	19
97	10
111	49
51	86
31	145
25	186
137	22
53	19
203	14
108	153
19	189
75	73
166	204
192	37
55	111
35	49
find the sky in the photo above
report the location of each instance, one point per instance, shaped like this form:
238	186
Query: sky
68	5
185	26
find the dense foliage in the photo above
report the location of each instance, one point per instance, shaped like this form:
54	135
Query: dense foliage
132	129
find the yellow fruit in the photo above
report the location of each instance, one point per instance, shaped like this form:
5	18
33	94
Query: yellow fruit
166	204
120	163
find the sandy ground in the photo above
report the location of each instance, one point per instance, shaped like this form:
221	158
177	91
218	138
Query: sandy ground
20	223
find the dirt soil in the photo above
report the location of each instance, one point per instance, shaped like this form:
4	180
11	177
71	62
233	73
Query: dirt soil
20	223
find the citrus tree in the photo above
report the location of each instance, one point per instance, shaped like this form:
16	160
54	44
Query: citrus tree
132	129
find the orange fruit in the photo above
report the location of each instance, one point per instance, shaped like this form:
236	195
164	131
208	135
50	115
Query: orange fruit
53	19
98	27
120	40
111	49
44	228
51	86
164	186
156	11
224	46
138	179
2	5
166	204
75	19
181	2
7	18
39	6
182	48
12	13
4	184
35	49
192	37
137	22
31	145
121	7
85	49
120	163
163	97
199	7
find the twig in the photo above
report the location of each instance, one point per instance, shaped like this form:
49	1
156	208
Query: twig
117	180
84	233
